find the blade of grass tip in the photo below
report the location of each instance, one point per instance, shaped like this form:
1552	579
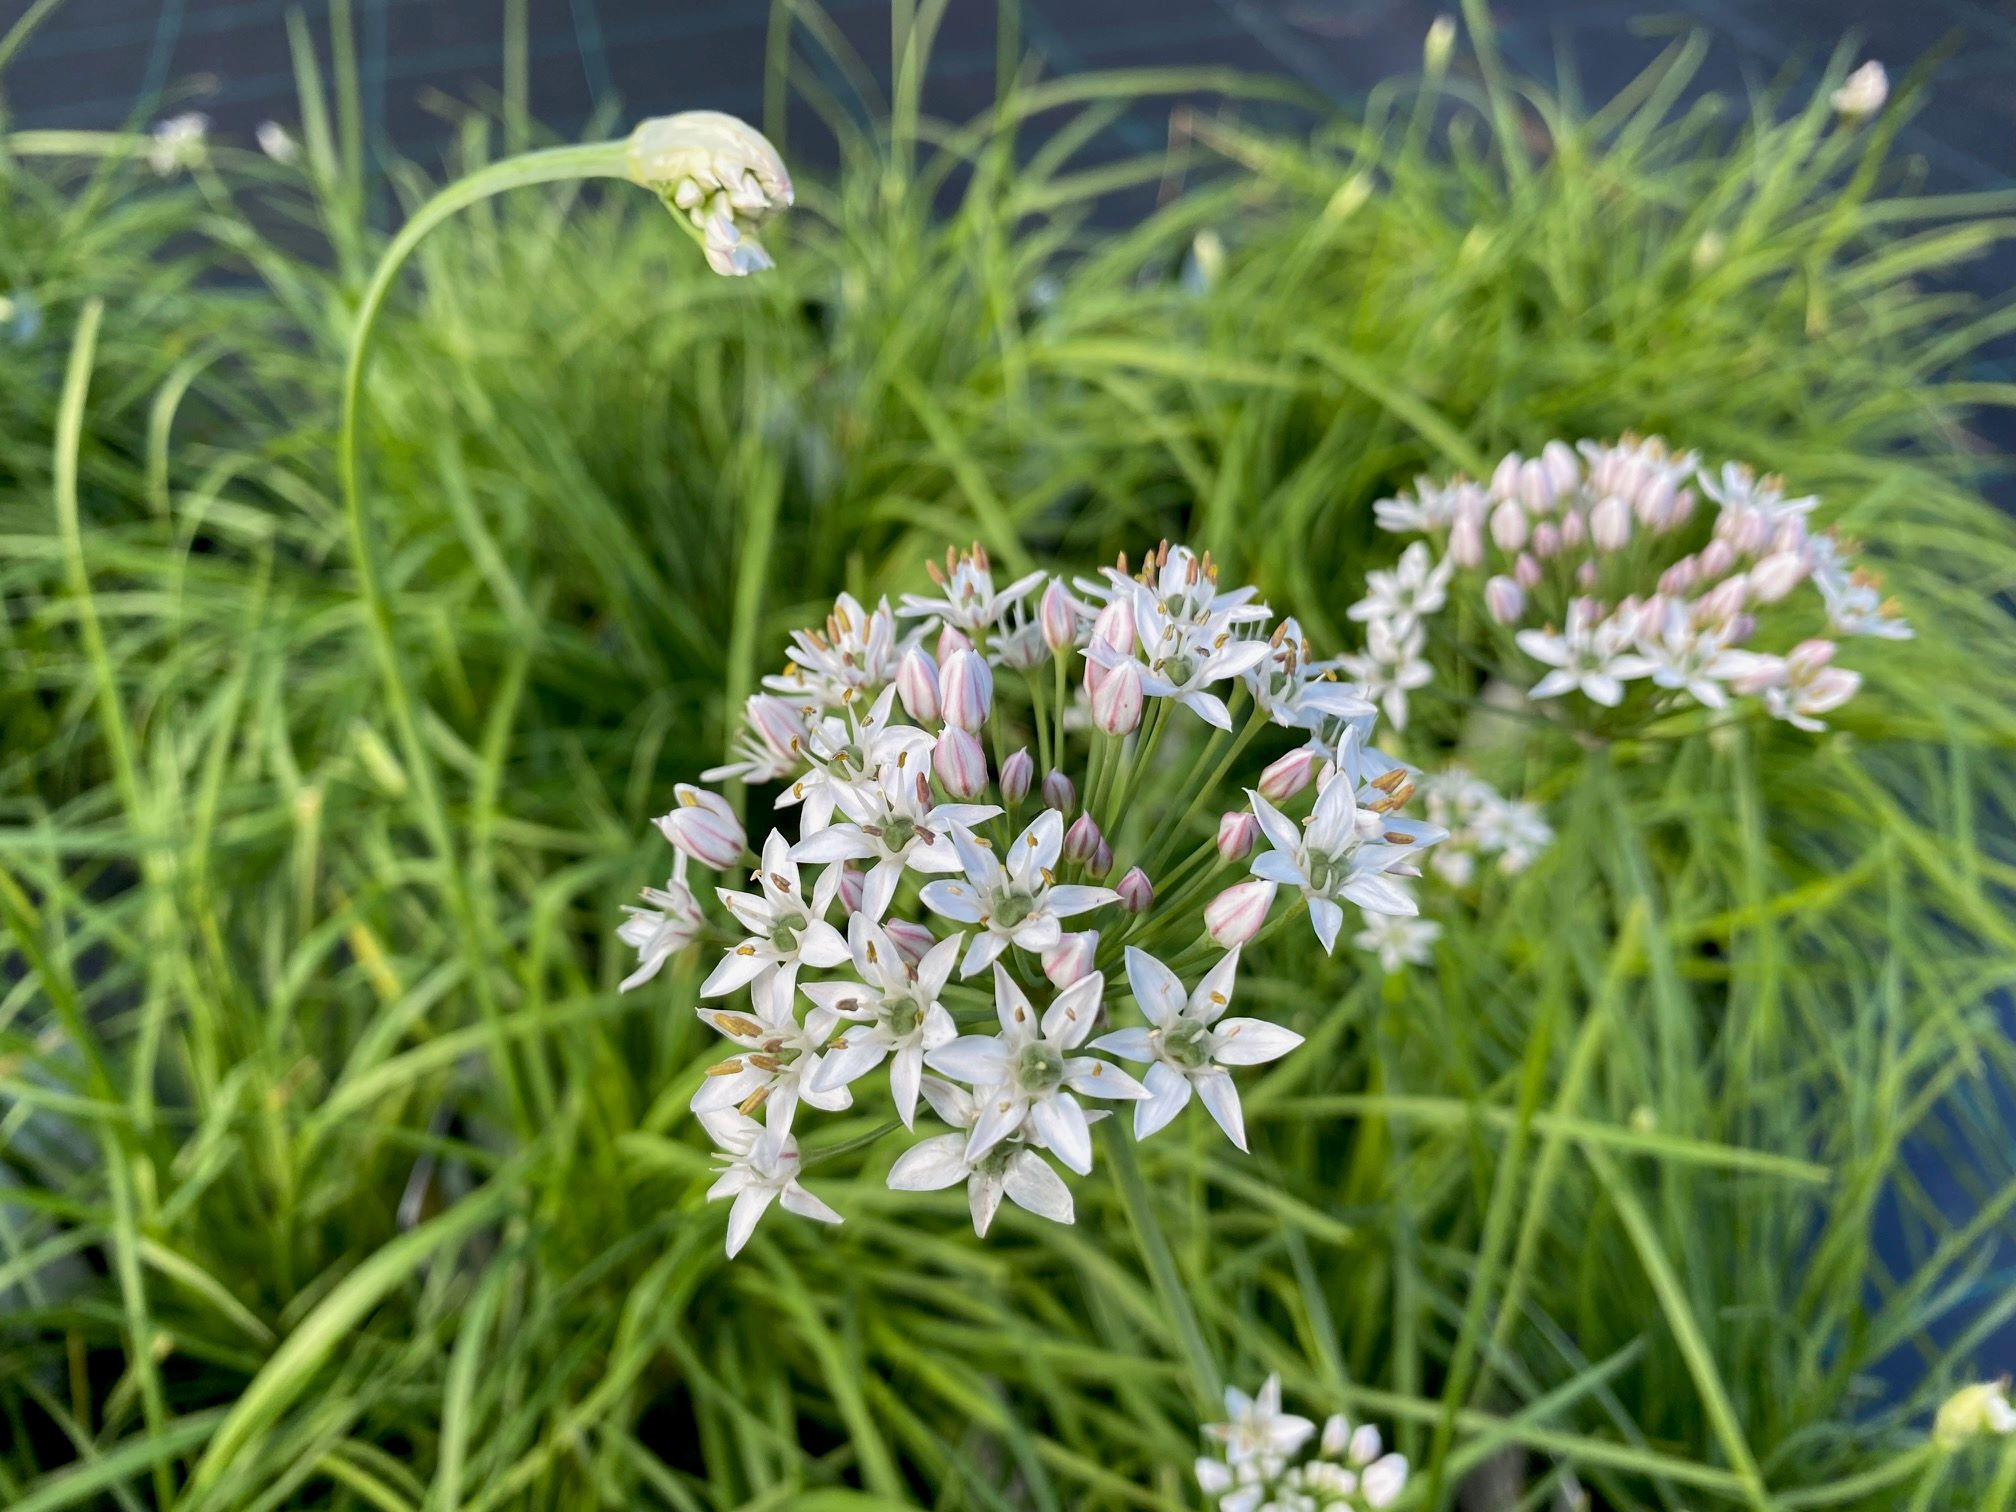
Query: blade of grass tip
293	1366
23	29
1208	1386
1686	1331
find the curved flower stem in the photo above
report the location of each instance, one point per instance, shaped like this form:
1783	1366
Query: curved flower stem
560	164
1209	1384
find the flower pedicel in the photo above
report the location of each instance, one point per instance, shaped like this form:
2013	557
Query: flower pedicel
938	915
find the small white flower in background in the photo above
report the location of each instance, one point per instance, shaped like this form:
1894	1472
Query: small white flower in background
777	1069
1189	1043
178	142
1015	904
1398	941
720	174
1588	655
1412	591
1862	93
669	922
968	599
1346	1472
1012	1169
1391	666
1026	1073
1974	1412
856	652
1295	689
1483	824
770	744
276	142
896	1013
760	1167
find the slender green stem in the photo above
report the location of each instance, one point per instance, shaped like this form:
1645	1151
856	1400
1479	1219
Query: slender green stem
557	165
1209	1384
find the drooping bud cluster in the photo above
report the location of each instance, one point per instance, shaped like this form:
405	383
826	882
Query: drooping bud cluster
978	952
1613	592
720	175
1263	1464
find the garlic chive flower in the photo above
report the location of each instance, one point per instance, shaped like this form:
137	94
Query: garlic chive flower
1346	1472
889	750
1189	1043
718	174
1027	1074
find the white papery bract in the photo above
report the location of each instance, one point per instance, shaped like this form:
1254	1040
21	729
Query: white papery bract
1613	599
898	751
1189	1044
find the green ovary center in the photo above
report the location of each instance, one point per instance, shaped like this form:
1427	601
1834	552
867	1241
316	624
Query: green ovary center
903	1016
1179	669
1325	871
784	937
1038	1068
898	832
1187	1045
1012	908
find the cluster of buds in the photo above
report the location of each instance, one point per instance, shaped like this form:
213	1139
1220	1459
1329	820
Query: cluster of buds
719	175
1028	803
1263	1468
1609	584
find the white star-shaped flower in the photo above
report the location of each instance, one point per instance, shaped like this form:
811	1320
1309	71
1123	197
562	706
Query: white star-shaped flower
1017	903
787	929
892	823
1344	855
895	1012
761	1167
1011	1169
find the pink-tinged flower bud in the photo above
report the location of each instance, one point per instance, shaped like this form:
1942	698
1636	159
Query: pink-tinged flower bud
1536	489
1809	656
1714	561
1137	893
1238	832
1288	775
705	828
1574	530
1676	580
1790	536
1654	504
1466	542
951	641
1509	527
1745	530
1114	624
1722	603
1756	673
1236	914
1682	510
1586	575
1081	839
912	941
1777	575
917	685
1610	524
1058	615
779	724
1651	617
1505	599
1563	471
1505	476
1117	701
1070	959
1101	862
1546	540
966	690
1058	792
960	764
1018	772
1526	571
851	881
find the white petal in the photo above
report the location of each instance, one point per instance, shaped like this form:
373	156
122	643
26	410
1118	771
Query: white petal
1279	829
1128	1044
861	1054
983	1199
1213	1476
1032	1186
1328	919
1208	707
1214	994
840	842
1221	1100
797	1200
1067	901
749	1206
1071	1016
1012	1007
1060	1123
980	1060
1036	849
1157	989
929	1166
1000	1115
1278	866
982	952
1097	1078
879	886
1251	1042
952	900
1168	1095
733	970
821	945
904	1073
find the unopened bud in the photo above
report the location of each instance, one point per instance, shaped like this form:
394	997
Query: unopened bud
1509	526
1505	599
704	827
1070	959
1137	893
1288	775
912	941
1082	839
1058	615
960	763
1236	914
1101	862
1058	792
1238	832
951	641
917	685
965	690
851	881
1610	524
1117	700
1017	773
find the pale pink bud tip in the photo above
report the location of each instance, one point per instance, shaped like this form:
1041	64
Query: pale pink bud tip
1058	615
1288	775
1236	914
1101	862
1505	599
1117	700
965	690
1059	793
912	941
960	764
1082	839
917	685
850	889
1071	958
705	828
951	641
1018	772
1237	835
1137	893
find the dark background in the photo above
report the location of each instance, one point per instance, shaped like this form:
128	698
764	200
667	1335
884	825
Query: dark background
97	64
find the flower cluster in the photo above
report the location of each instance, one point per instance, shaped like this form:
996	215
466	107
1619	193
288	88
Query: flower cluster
720	176
178	142
1016	804
1260	1473
1609	583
